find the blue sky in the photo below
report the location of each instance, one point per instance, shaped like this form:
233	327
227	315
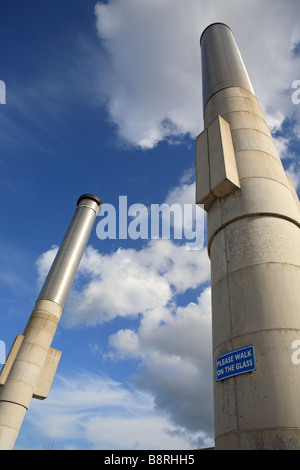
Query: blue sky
105	98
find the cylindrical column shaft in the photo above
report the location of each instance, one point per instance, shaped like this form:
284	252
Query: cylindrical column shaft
28	369
254	247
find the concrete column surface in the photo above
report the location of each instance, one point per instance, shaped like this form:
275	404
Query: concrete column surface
254	247
253	222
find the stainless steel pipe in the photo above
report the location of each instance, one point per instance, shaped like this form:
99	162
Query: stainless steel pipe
61	275
222	64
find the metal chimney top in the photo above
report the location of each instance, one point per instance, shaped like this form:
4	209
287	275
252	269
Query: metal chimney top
89	196
209	26
222	64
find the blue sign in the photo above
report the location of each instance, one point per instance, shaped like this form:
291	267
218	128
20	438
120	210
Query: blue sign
235	362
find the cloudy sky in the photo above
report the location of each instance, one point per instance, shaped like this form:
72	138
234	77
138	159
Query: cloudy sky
105	98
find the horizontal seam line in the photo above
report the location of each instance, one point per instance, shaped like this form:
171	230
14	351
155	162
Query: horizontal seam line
246	216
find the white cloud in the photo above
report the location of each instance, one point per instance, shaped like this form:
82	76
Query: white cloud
174	350
293	171
193	215
172	343
96	412
274	119
44	263
120	286
129	282
153	76
149	61
171	402
281	144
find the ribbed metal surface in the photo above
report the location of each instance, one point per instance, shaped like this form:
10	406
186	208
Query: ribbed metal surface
222	64
61	275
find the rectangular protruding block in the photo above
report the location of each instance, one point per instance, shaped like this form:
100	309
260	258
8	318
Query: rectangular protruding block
203	190
47	374
216	169
223	170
